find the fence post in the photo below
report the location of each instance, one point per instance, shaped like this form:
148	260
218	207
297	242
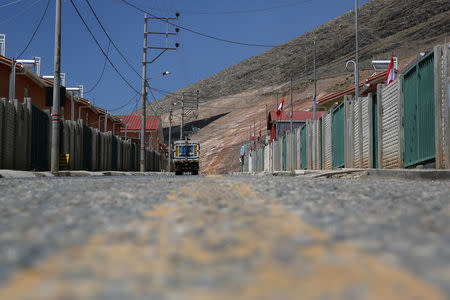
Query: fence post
438	126
371	127
347	133
27	102
380	88
2	109
446	103
351	133
401	134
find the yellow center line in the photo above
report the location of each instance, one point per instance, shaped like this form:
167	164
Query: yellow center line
217	230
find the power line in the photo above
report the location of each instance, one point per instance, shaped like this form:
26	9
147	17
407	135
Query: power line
124	105
197	32
118	50
109	38
35	31
10	3
289	4
101	49
20	12
101	74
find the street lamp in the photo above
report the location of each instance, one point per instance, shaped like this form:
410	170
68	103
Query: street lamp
163	74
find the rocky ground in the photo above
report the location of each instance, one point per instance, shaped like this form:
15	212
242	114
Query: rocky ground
223	237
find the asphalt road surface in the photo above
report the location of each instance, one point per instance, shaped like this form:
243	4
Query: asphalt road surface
224	237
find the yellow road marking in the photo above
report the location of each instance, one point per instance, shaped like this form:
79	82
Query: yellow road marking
246	230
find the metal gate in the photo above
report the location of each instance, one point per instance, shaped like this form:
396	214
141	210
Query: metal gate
418	117
39	139
303	141
338	137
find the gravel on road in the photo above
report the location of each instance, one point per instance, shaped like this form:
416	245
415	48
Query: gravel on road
222	237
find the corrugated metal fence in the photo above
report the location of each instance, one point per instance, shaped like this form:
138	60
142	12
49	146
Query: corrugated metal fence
403	124
25	136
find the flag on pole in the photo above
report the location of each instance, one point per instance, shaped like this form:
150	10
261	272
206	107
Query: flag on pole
280	107
253	136
390	76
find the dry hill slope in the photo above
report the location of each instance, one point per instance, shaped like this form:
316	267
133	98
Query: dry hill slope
385	25
404	26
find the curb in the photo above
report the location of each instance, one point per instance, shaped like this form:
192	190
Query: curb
409	174
406	174
31	174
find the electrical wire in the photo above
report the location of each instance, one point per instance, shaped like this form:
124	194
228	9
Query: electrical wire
20	12
124	105
35	31
289	4
101	74
118	50
109	38
10	3
197	32
101	49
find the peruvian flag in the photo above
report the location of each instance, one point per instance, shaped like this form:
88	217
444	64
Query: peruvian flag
390	76
280	107
253	136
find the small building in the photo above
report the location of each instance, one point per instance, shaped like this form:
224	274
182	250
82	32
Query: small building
277	125
154	137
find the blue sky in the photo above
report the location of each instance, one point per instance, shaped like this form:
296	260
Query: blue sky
266	22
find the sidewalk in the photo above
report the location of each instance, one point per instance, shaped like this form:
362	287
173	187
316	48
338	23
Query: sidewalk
410	174
31	174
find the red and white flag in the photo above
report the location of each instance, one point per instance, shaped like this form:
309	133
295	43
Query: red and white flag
280	107
253	136
390	76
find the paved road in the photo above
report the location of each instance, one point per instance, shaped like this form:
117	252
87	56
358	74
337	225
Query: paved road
224	237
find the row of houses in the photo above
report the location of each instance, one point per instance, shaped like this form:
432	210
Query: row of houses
278	125
400	125
28	84
25	93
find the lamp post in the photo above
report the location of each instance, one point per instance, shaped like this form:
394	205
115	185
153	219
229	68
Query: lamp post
144	99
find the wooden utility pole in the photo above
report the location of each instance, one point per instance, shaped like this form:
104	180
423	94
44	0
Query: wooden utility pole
144	96
56	91
170	138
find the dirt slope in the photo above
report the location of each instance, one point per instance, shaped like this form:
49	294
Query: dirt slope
406	27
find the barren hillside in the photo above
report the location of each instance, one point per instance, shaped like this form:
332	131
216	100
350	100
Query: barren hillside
406	27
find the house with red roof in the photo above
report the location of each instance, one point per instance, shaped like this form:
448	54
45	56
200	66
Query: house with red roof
154	137
40	90
276	125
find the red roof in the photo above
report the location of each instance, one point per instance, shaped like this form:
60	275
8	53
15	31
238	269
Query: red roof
351	89
134	121
297	115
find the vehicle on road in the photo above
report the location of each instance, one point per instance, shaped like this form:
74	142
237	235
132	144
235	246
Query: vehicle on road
186	156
